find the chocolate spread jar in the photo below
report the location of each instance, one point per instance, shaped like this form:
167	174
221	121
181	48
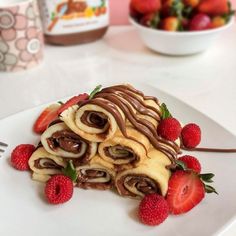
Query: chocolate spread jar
68	22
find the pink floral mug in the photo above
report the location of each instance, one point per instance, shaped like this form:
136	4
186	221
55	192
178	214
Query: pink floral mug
21	35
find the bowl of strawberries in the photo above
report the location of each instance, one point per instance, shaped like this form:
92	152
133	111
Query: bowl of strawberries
180	27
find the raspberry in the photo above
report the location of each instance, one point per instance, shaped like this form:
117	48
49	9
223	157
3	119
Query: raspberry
153	209
191	163
58	189
169	129
20	156
191	135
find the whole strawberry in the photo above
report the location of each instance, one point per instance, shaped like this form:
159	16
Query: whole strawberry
153	209
20	156
191	163
169	128
191	135
146	6
58	189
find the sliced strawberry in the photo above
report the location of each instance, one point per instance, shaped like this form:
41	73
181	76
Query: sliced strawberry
214	7
45	118
185	191
74	100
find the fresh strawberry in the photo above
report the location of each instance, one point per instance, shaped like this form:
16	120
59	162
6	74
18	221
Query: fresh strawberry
150	20
45	118
146	6
169	129
217	21
191	3
20	156
172	8
58	189
213	7
191	163
200	22
133	13
153	209
191	135
185	191
74	100
170	23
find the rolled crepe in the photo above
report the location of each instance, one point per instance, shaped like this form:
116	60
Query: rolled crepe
59	140
151	176
44	164
92	121
97	174
120	150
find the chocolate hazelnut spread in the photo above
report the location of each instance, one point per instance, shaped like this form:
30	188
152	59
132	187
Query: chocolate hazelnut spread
123	97
68	22
142	183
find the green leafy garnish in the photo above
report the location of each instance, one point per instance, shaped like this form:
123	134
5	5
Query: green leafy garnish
181	165
207	178
95	91
60	102
165	112
209	189
70	171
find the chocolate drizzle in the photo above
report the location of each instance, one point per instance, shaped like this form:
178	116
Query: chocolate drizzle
128	101
204	149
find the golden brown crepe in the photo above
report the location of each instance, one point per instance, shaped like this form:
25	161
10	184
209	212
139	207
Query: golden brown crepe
150	176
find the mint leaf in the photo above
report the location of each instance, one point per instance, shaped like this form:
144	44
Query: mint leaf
95	91
70	171
165	112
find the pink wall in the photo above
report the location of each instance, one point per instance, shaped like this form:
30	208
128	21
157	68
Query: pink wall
120	9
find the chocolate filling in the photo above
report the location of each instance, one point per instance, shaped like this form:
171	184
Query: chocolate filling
47	164
142	183
119	152
66	140
95	119
83	178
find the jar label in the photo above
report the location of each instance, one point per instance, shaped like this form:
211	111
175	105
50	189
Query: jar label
73	16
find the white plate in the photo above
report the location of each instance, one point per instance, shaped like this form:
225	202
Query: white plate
23	210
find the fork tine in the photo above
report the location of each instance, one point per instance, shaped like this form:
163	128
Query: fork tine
1	150
3	144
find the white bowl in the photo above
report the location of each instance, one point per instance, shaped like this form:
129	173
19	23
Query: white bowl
179	43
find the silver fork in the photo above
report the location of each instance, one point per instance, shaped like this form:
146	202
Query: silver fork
3	146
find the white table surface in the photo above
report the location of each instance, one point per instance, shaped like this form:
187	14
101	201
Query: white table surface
206	81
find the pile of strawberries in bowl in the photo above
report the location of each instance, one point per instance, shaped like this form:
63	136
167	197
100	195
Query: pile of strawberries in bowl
181	15
180	27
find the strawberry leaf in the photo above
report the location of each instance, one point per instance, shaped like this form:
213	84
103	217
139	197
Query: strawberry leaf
95	91
70	171
207	177
165	112
181	165
209	189
60	102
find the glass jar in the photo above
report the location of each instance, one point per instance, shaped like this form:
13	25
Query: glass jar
68	22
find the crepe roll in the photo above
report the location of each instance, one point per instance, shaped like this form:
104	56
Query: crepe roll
96	120
44	164
59	140
122	151
97	174
150	176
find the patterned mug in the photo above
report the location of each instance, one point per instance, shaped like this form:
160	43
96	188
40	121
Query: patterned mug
21	35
